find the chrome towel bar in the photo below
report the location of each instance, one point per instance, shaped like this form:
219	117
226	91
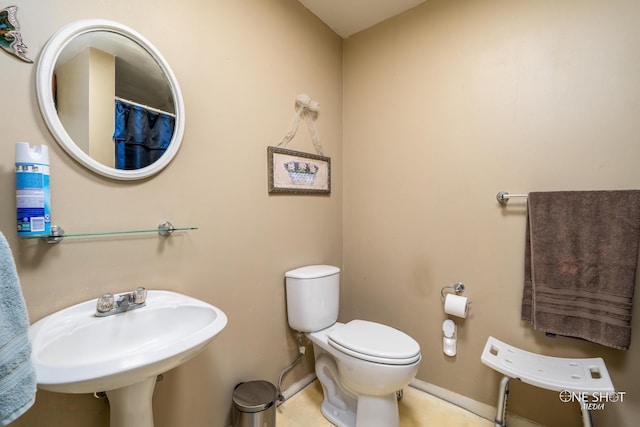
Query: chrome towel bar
503	197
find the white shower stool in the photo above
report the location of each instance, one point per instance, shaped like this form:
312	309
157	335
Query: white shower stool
575	379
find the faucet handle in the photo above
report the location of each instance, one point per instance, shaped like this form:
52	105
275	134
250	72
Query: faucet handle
140	295
105	303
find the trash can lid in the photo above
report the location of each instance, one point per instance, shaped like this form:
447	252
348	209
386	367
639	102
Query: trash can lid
254	396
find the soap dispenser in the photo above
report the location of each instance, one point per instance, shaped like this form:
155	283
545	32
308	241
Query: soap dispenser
449	338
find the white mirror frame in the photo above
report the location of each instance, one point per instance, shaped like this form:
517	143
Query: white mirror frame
44	86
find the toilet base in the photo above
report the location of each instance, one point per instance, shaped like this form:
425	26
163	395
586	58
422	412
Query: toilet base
344	409
337	416
378	411
373	411
338	405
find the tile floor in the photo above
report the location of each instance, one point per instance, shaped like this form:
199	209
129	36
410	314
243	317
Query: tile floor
417	409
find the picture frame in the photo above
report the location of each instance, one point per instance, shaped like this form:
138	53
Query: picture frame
295	172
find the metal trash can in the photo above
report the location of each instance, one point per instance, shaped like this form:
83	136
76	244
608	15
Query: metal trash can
254	404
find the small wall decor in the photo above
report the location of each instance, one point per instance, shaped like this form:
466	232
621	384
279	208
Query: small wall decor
10	37
296	172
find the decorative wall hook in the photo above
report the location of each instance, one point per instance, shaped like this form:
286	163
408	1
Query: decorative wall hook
10	37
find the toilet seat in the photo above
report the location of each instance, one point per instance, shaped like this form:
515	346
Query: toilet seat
375	342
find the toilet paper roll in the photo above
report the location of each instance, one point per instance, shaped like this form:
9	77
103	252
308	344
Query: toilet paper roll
456	305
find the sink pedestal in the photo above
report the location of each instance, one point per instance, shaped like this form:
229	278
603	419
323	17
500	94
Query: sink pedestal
131	406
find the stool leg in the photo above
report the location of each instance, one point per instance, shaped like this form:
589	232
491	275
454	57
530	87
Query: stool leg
503	393
586	415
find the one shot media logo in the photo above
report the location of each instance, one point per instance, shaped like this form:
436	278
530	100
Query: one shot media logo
592	401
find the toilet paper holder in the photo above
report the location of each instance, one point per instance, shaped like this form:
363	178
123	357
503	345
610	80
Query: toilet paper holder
457	288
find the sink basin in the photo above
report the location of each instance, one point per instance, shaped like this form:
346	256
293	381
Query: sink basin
75	352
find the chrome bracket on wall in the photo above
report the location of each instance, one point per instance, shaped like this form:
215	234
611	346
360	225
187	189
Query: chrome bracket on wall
503	197
457	287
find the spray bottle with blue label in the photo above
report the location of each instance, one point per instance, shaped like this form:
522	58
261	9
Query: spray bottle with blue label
33	196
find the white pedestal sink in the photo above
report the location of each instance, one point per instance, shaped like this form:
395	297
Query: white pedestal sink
75	352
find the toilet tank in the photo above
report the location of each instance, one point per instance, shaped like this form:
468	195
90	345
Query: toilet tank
313	297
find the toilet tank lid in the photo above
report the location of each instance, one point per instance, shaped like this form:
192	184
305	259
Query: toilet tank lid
312	272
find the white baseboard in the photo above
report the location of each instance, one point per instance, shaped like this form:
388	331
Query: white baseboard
480	409
298	385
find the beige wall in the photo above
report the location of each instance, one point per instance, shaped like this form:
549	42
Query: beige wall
445	106
240	65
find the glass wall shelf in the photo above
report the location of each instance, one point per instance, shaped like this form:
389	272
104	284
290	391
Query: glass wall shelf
165	228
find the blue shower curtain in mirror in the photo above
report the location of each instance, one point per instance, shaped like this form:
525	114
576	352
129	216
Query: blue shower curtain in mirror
141	136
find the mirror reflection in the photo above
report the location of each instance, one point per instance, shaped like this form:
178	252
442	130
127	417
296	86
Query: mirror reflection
114	100
110	99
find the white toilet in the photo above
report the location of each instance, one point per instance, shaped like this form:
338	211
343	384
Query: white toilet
360	364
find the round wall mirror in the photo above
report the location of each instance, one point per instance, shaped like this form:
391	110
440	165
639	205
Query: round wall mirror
110	99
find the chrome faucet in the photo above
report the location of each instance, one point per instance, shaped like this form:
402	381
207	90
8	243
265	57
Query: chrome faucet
123	301
109	304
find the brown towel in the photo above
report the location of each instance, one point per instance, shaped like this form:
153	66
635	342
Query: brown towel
580	264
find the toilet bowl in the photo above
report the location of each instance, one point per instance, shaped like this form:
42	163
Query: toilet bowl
360	364
360	381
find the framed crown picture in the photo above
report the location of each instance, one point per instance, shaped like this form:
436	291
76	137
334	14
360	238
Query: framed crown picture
295	172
